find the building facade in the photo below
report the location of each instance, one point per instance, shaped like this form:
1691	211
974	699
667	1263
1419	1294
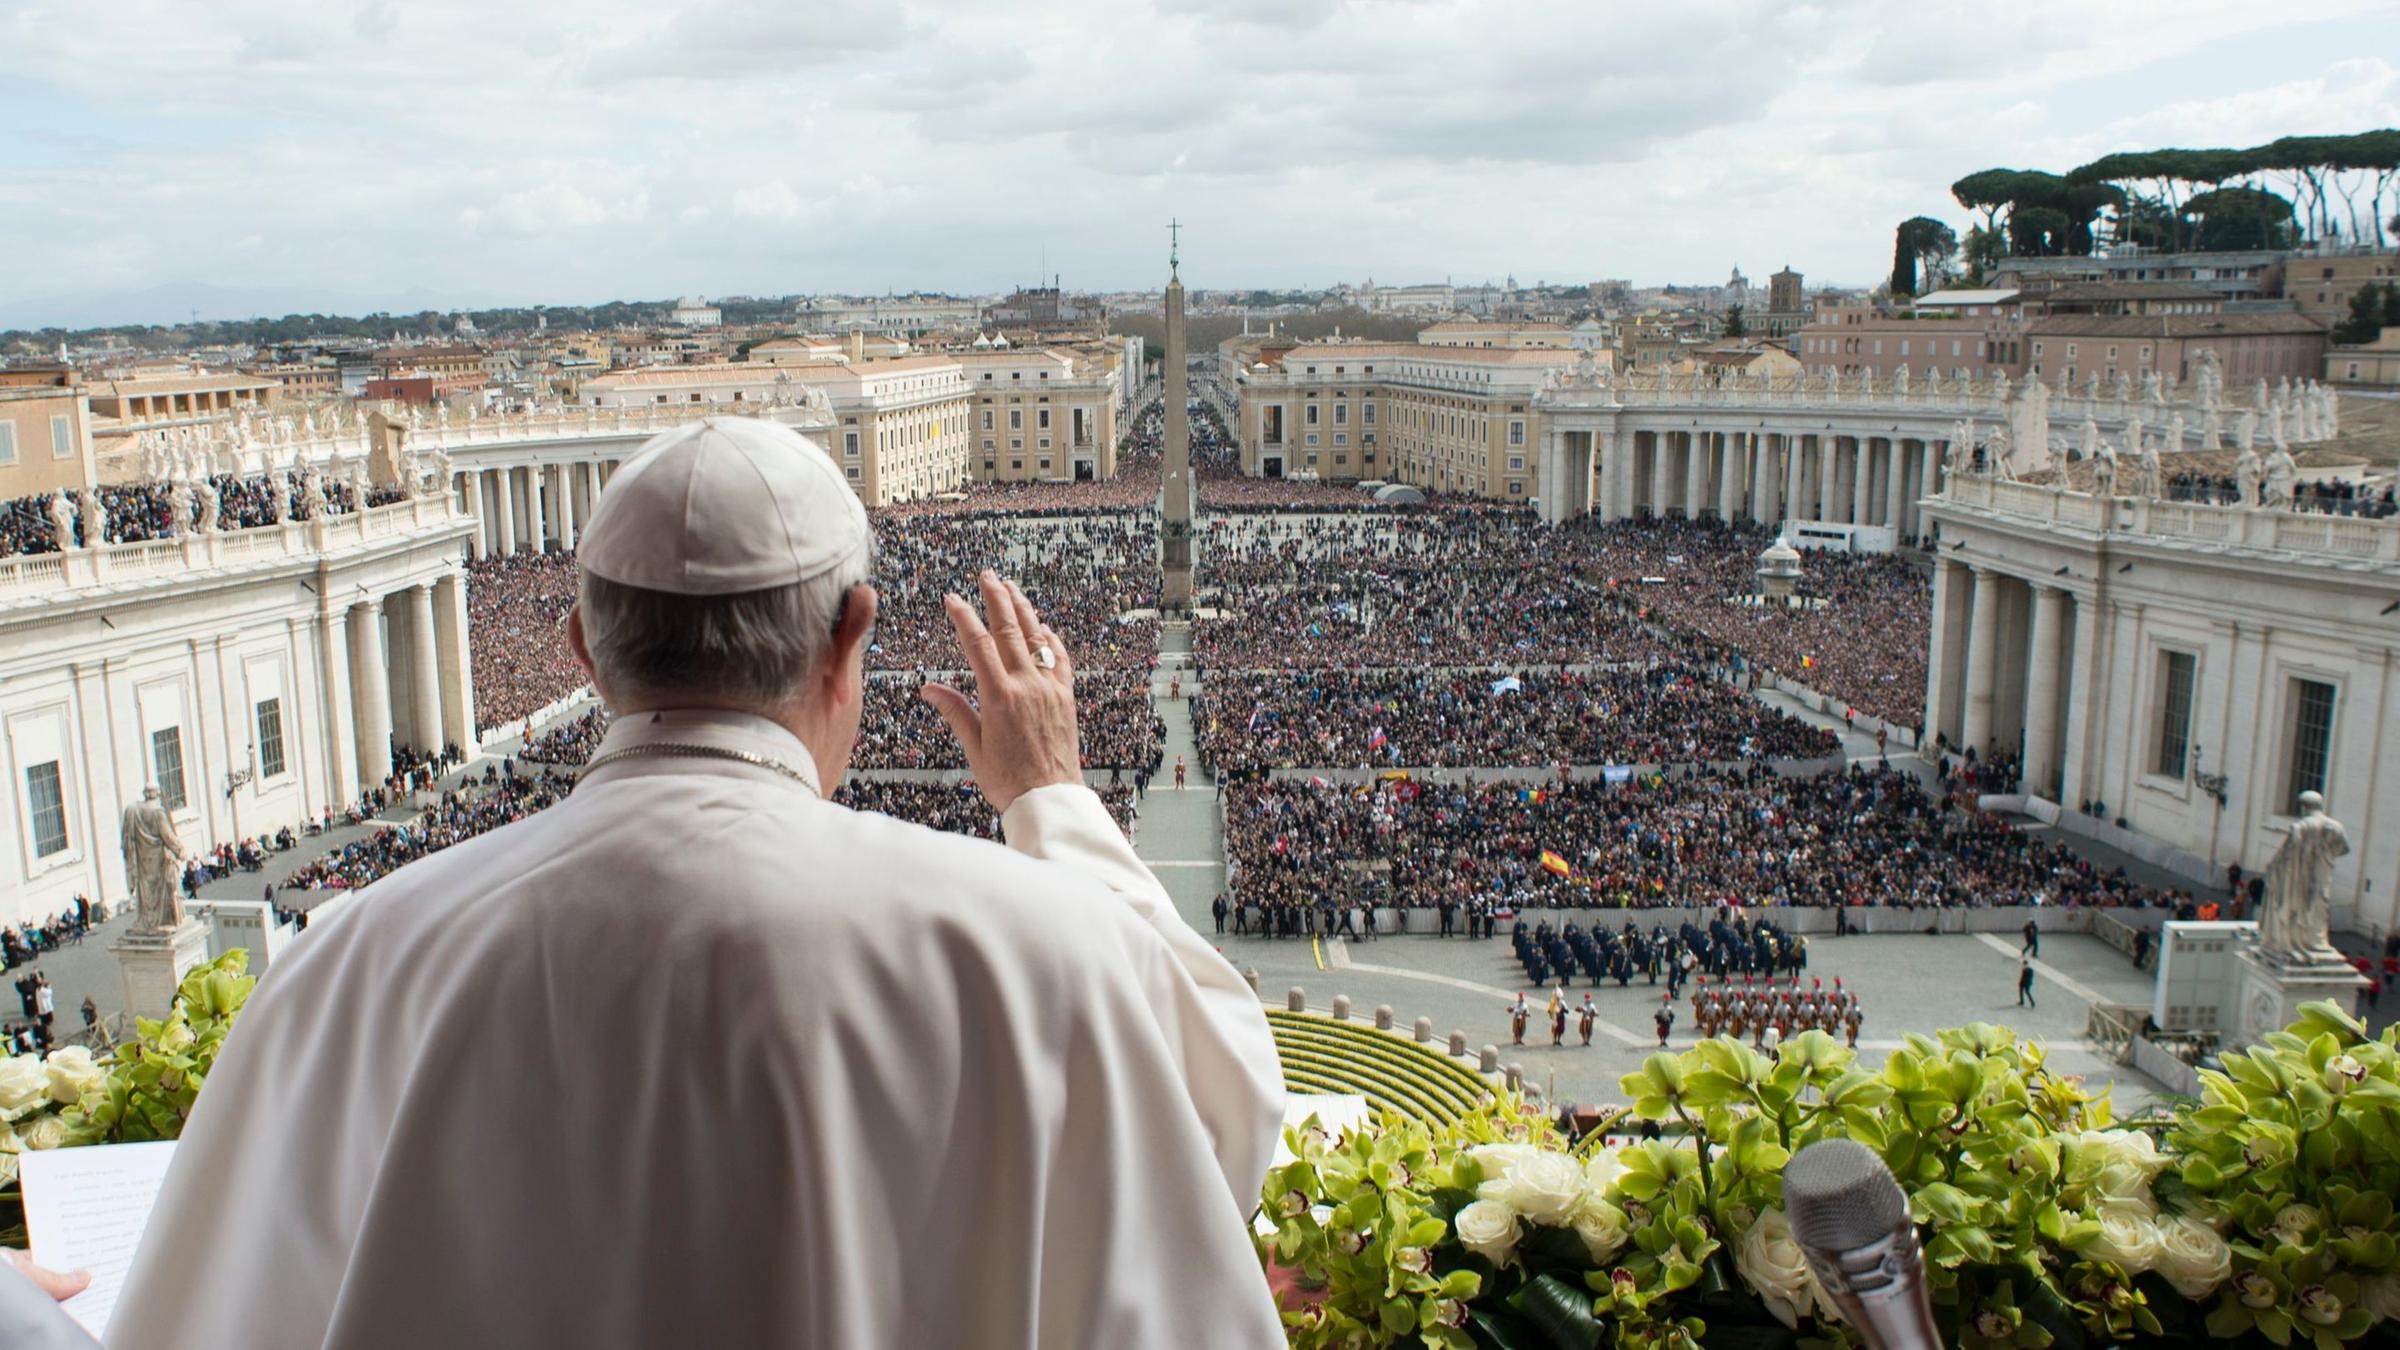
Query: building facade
256	678
1040	415
2182	671
45	432
1441	418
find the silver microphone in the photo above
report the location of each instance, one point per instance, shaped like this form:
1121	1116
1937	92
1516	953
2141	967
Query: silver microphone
1849	1216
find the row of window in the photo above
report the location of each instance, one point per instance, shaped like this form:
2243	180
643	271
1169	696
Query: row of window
2308	735
45	785
62	439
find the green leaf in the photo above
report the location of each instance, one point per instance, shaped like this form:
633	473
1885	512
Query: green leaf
1562	1312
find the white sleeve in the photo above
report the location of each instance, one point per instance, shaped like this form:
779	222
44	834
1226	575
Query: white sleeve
1209	1012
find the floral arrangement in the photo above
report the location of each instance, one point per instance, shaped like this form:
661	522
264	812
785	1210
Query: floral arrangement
2261	1214
141	1090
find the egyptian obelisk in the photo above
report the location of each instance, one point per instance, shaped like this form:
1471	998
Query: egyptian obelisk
1175	556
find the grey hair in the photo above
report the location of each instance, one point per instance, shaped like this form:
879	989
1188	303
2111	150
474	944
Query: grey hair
754	649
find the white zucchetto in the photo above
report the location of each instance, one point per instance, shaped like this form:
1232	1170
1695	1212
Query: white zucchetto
723	505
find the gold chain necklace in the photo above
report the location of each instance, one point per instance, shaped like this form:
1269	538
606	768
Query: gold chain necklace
679	750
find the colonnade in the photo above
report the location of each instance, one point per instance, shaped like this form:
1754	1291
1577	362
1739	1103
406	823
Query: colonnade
525	508
2007	671
1767	477
396	674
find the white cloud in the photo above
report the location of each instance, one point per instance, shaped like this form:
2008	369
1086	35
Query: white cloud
546	150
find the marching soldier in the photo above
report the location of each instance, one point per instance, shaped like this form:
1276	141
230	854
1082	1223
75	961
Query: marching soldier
1665	1018
1585	1016
1518	1015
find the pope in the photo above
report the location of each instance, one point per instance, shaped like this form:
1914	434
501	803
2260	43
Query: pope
698	1057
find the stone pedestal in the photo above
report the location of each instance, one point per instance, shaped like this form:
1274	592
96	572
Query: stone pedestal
2273	990
154	963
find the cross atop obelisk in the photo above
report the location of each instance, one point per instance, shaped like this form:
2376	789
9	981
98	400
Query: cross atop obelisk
1175	542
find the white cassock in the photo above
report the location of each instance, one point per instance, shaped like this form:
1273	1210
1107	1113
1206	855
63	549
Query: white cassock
695	1059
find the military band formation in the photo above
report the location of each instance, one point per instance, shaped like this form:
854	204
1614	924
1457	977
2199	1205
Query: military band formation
1757	952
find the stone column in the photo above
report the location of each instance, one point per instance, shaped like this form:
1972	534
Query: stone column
1662	470
1859	464
450	650
1983	661
1828	451
371	693
471	487
1895	501
1729	476
340	729
566	507
504	512
1605	449
2042	684
424	671
1791	474
537	531
1696	455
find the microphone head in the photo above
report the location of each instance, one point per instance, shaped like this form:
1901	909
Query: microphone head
1839	1196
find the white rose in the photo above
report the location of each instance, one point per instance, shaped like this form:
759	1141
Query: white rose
1488	1228
1603	1228
46	1130
2192	1257
1546	1188
22	1085
2128	1238
2380	1295
1775	1268
1498	1159
73	1074
2295	1224
1601	1172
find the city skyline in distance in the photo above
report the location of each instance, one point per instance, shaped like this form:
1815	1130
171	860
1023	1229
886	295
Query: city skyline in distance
263	160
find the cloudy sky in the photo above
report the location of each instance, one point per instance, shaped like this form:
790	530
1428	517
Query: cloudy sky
164	154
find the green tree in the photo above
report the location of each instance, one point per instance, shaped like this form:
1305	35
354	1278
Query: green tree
1983	251
1921	242
1733	323
2365	321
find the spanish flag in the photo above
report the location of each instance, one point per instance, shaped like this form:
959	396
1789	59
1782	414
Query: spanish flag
1555	864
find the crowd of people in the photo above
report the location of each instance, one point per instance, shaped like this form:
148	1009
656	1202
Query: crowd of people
1120	729
474	807
1697	837
569	744
957	808
2332	496
1088	573
517	635
134	512
1491	716
1484	586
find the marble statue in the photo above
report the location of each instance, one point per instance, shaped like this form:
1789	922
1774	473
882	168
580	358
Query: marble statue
2250	472
2245	432
2208	380
2091	391
179	508
279	496
1996	453
2275	428
2258	394
1900	382
312	494
2152	395
2120	391
2104	471
62	522
2175	432
2212	428
95	519
210	505
2000	389
359	486
2283	476
2088	448
2149	476
1933	381
152	857
2293	917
